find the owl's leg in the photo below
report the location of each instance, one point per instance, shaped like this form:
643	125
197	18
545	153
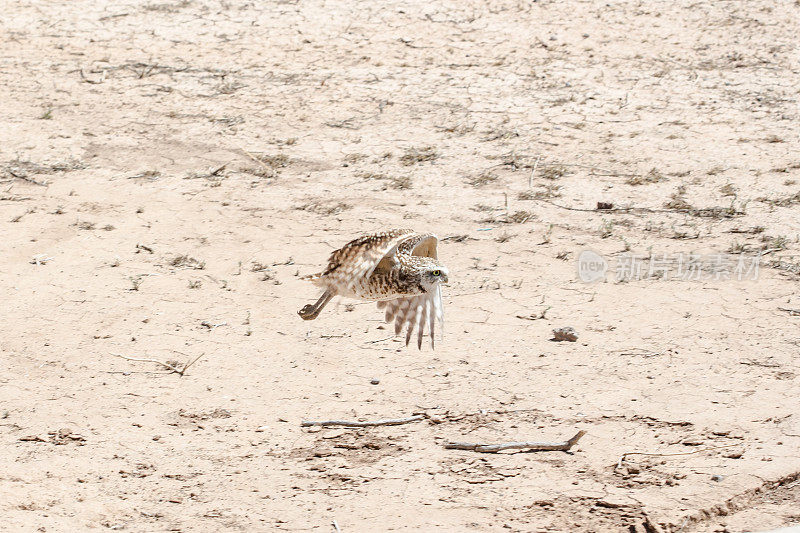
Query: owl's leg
312	311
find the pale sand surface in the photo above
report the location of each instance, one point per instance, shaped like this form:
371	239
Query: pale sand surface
255	137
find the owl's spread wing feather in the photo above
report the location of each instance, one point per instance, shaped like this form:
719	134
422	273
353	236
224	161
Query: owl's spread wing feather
414	312
419	244
357	259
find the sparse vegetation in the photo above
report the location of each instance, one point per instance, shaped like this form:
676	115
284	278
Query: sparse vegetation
482	178
326	208
395	182
553	172
544	192
781	201
606	229
654	176
412	156
520	217
188	262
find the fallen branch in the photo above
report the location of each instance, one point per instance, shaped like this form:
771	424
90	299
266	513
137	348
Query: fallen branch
528	446
173	370
792	312
357	424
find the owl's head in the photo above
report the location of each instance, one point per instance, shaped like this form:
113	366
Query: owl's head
433	274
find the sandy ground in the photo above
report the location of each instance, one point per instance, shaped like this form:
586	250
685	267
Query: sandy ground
169	169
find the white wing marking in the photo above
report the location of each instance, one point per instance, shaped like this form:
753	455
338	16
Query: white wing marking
414	312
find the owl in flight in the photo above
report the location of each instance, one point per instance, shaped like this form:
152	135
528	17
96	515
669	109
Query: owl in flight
398	269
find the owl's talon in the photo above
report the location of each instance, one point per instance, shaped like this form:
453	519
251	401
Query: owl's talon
308	312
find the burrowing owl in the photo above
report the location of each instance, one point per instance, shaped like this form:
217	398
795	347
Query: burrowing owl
398	269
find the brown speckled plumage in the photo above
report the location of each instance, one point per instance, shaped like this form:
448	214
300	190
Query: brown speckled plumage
398	268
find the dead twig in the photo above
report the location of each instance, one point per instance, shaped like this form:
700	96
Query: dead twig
93	82
528	446
533	172
357	424
702	212
172	368
625	455
24	177
792	312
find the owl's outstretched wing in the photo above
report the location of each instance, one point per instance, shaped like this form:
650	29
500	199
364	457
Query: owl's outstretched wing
419	244
358	258
415	312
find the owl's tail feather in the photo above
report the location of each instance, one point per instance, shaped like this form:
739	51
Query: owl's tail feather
312	311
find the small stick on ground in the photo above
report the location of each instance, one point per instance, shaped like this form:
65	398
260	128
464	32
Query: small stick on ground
533	172
269	170
357	424
24	177
174	370
336	526
527	446
625	455
792	312
93	82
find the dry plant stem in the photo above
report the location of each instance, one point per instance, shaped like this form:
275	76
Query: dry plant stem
93	82
529	446
625	455
533	172
167	365
792	312
256	160
357	424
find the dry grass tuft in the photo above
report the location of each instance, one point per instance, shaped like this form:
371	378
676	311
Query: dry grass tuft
418	155
482	179
395	182
325	208
274	161
520	217
548	190
85	225
654	176
553	172
185	261
781	201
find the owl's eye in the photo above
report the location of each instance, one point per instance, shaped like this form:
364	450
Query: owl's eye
436	272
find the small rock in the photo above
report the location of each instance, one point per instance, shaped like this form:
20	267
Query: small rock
717	477
565	334
613	502
374	381
260	429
